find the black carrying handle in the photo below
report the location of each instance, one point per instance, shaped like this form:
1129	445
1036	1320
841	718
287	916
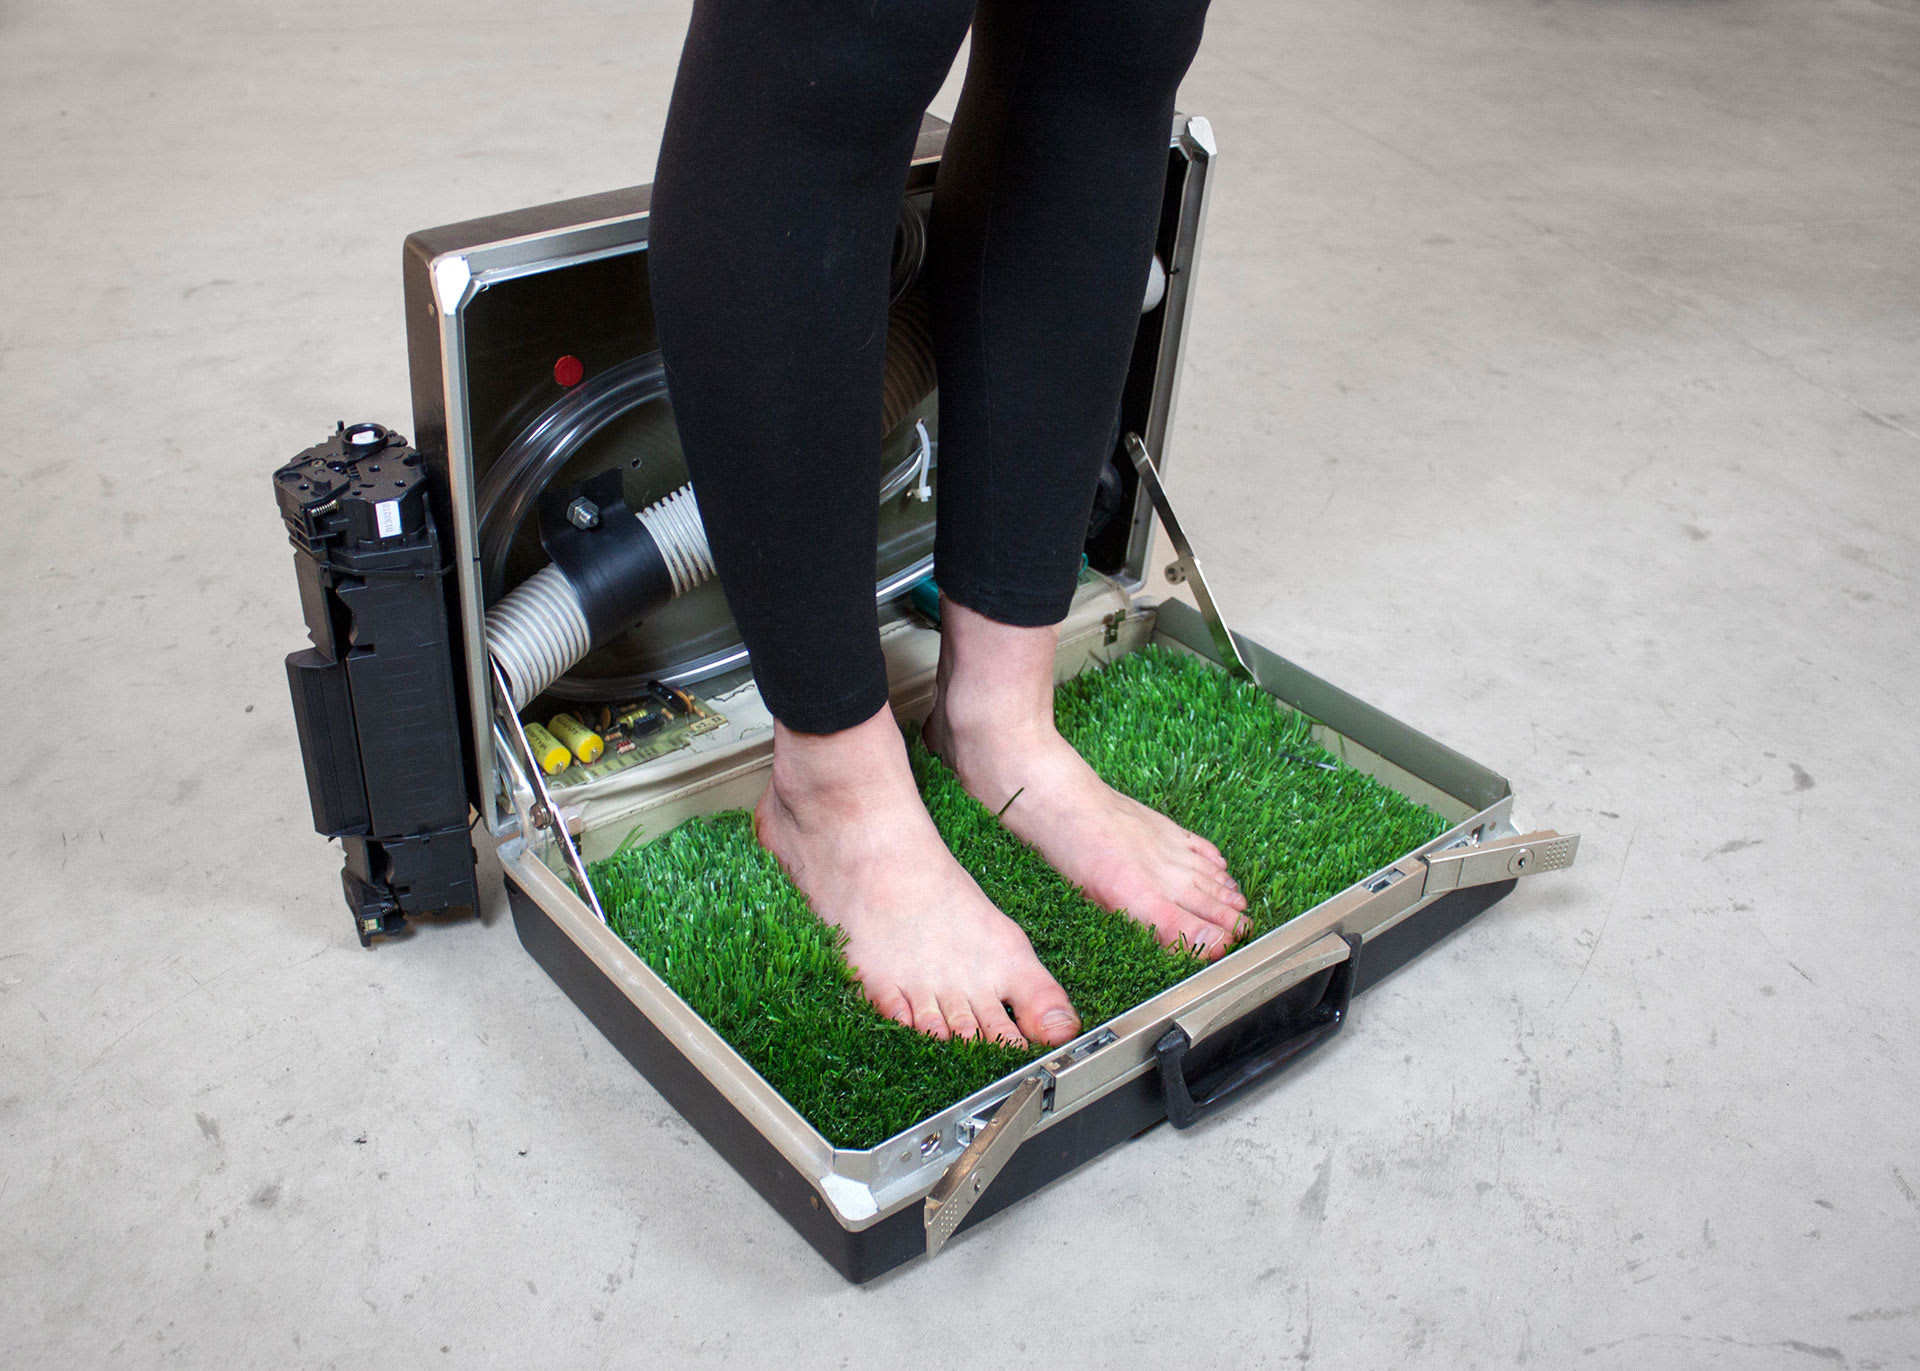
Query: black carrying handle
1271	1053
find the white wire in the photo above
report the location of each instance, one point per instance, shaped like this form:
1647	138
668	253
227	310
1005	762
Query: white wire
924	492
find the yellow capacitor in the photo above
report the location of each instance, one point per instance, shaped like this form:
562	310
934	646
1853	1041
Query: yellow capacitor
551	753
586	744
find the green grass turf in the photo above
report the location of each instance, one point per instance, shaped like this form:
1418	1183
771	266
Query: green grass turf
712	912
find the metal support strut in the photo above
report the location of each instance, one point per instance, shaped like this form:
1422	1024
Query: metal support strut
1186	564
546	814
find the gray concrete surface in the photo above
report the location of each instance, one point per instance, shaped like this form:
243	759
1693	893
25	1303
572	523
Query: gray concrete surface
1555	383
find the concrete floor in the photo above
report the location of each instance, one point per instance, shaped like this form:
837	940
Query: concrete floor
1554	383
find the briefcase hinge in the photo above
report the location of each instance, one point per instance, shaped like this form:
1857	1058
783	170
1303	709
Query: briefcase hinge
1501	860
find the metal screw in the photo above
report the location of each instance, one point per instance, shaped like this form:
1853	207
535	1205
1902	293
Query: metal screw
583	513
1175	573
1521	861
930	1144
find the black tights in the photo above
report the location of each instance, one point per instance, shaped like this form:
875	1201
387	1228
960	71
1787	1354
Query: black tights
780	178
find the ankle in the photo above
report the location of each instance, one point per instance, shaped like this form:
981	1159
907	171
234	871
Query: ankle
995	680
849	772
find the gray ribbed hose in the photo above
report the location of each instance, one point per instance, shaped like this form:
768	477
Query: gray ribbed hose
538	631
676	528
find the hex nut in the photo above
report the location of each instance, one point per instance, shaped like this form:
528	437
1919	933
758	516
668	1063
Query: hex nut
583	513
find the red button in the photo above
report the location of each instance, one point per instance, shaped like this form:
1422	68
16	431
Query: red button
568	370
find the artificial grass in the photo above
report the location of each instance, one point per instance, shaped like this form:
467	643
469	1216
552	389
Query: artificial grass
712	912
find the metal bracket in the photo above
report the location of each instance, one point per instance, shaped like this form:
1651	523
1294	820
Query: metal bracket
1527	855
961	1186
1185	563
546	814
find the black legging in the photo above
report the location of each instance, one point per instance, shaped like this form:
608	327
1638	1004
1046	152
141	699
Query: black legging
774	207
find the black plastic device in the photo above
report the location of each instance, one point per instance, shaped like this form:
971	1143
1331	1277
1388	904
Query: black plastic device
373	698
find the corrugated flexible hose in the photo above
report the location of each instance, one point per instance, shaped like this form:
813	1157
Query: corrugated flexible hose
538	630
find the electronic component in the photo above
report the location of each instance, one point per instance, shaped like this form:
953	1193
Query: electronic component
638	720
634	731
582	741
553	755
672	697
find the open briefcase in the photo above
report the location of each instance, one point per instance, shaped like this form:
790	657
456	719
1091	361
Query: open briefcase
540	417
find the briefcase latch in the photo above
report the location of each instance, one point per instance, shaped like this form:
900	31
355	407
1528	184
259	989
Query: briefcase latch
961	1187
1528	854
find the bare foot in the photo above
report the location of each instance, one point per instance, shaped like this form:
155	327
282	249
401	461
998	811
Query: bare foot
992	722
842	815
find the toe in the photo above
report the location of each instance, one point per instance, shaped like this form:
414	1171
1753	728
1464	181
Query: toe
995	1026
1176	927
926	1014
1205	900
1041	1008
958	1012
1203	938
1200	845
889	1003
1216	882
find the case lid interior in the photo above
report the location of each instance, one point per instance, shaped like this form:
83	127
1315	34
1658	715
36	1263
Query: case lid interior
534	366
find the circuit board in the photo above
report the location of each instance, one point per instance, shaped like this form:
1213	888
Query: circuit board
630	732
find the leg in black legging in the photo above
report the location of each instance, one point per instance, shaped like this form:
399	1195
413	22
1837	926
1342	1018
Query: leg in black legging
778	188
779	181
1044	217
1043	228
779	185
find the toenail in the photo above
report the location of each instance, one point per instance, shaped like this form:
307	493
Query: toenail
1057	1018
